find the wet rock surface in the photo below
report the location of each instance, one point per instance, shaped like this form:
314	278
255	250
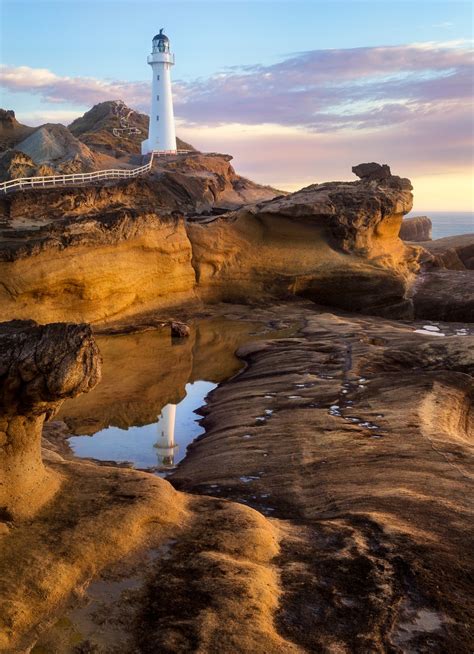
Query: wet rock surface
320	510
356	435
445	295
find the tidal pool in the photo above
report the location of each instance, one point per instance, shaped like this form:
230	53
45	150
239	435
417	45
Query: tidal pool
143	411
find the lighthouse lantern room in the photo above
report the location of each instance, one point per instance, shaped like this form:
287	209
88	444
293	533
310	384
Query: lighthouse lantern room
161	131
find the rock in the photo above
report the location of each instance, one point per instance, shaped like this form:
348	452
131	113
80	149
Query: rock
11	131
40	366
452	252
372	171
416	229
95	129
54	145
179	329
187	184
372	494
445	295
335	243
15	164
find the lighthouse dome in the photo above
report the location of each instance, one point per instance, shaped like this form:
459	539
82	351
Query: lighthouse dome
161	36
161	42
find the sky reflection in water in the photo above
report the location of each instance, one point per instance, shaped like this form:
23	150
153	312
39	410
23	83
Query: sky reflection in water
145	375
154	445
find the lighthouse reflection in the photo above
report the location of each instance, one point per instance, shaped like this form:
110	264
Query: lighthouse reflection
165	446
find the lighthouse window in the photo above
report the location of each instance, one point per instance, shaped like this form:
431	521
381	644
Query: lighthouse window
157	118
157	77
157	97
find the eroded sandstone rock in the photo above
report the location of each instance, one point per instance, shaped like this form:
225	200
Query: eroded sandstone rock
452	252
416	229
335	243
128	248
40	366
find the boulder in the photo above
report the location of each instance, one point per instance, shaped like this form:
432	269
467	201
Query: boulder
416	229
445	295
40	366
372	171
179	329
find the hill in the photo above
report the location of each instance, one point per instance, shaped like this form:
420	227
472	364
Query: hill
11	131
96	128
53	144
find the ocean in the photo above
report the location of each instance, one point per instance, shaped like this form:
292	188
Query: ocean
448	223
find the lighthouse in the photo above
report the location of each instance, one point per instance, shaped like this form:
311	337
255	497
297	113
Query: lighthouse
161	132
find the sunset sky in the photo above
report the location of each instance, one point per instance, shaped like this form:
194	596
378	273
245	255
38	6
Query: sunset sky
297	91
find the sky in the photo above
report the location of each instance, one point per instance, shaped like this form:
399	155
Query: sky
297	91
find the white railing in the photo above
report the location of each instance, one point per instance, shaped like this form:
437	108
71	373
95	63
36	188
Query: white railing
76	179
118	131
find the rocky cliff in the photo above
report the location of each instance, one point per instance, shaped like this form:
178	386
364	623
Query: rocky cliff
335	243
452	252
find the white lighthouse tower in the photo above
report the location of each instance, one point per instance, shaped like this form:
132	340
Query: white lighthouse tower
161	132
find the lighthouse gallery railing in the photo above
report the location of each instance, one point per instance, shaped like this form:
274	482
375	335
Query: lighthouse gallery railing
75	179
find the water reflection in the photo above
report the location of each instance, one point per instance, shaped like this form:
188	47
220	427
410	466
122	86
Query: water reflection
165	445
158	446
142	412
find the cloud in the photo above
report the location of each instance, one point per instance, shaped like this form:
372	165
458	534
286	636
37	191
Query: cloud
334	89
321	90
83	91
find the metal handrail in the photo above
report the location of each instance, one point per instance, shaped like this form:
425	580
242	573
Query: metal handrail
82	178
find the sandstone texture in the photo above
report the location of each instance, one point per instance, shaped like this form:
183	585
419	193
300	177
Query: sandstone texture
452	252
326	508
416	229
40	366
116	521
335	243
445	295
139	246
356	436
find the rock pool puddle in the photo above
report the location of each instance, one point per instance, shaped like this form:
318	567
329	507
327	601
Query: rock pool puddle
432	328
143	411
158	446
